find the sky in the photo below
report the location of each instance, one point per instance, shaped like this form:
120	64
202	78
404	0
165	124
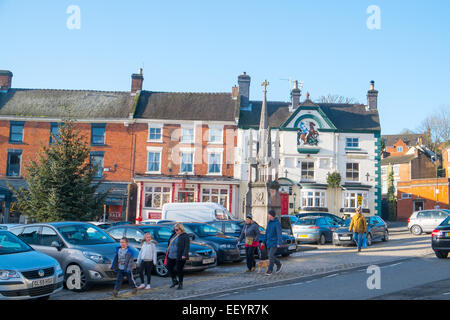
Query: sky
203	46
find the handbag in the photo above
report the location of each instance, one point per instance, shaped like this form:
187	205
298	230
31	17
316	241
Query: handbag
167	252
249	241
365	244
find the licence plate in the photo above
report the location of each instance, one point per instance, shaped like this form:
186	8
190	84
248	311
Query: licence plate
447	234
243	251
41	282
292	247
210	260
303	236
344	238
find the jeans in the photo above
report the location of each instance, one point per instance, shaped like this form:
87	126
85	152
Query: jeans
176	268
273	259
358	238
124	274
146	266
250	254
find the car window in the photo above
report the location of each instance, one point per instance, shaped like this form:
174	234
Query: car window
134	235
232	227
218	225
48	235
163	234
30	235
16	231
424	215
321	222
10	244
439	215
117	233
204	230
330	221
84	234
306	222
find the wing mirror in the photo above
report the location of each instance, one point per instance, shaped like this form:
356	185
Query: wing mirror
57	245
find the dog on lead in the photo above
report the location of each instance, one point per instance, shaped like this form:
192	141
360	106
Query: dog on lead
262	264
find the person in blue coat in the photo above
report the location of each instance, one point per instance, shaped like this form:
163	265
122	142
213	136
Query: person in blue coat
273	241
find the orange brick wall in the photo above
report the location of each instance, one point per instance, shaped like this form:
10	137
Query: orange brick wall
423	189
392	150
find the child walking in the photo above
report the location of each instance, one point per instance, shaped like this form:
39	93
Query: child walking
146	260
123	264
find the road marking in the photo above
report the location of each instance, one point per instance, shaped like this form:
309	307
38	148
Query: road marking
392	265
332	275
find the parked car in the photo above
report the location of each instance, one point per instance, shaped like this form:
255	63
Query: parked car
102	225
377	229
440	239
234	228
225	246
8	226
201	256
426	220
84	251
338	220
26	273
314	229
194	212
293	219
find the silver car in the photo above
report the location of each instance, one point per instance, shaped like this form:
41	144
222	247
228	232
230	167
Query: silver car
26	273
426	220
84	251
8	226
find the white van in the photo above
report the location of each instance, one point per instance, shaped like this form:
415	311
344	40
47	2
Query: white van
195	212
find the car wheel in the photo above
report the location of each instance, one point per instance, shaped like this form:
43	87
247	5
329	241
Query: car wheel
285	254
76	279
386	236
369	239
322	240
160	268
416	230
441	254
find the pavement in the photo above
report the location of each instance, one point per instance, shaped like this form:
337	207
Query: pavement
307	262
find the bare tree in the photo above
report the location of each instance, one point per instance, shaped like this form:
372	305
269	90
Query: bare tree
437	127
335	98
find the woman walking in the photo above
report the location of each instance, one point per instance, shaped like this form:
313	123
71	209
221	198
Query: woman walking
146	260
358	226
177	254
251	234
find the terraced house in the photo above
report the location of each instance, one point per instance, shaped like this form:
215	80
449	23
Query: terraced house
316	139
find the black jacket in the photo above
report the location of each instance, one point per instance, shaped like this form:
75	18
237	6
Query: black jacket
183	245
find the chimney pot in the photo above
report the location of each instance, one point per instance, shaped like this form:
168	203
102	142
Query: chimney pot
295	96
234	92
372	97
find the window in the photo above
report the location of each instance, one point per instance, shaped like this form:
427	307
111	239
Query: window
48	235
30	235
54	132
155	197
215	135
399	149
117	233
134	235
98	134
96	160
16	132
214	162
396	170
406	195
424	215
231	227
307	171
217	195
352	142
155	134
154	161
351	199
314	199
14	161
187	135
187	161
352	172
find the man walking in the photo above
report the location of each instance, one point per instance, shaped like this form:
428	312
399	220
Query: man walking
359	227
273	241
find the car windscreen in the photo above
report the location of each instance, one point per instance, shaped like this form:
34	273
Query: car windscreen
84	234
306	222
10	244
204	230
346	223
159	234
446	222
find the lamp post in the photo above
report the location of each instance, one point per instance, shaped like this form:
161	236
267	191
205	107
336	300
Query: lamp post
295	196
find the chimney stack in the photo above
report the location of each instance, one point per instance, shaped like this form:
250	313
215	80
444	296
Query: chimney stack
244	89
234	92
295	96
372	97
5	80
137	79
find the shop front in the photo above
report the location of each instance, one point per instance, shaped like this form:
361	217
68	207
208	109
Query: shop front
154	192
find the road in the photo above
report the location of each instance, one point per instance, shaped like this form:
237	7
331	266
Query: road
328	272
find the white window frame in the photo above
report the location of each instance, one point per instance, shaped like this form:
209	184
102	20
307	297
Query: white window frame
210	128
220	153
219	195
300	164
155	126
399	149
359	171
154	150
406	196
185	127
352	142
161	193
352	195
186	151
306	196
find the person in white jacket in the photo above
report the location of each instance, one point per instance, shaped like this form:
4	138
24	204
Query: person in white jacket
146	260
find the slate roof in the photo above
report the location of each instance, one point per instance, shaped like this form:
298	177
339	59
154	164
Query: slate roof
409	139
343	116
75	104
187	106
398	159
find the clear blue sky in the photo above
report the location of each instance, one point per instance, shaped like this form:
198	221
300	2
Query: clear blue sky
203	45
